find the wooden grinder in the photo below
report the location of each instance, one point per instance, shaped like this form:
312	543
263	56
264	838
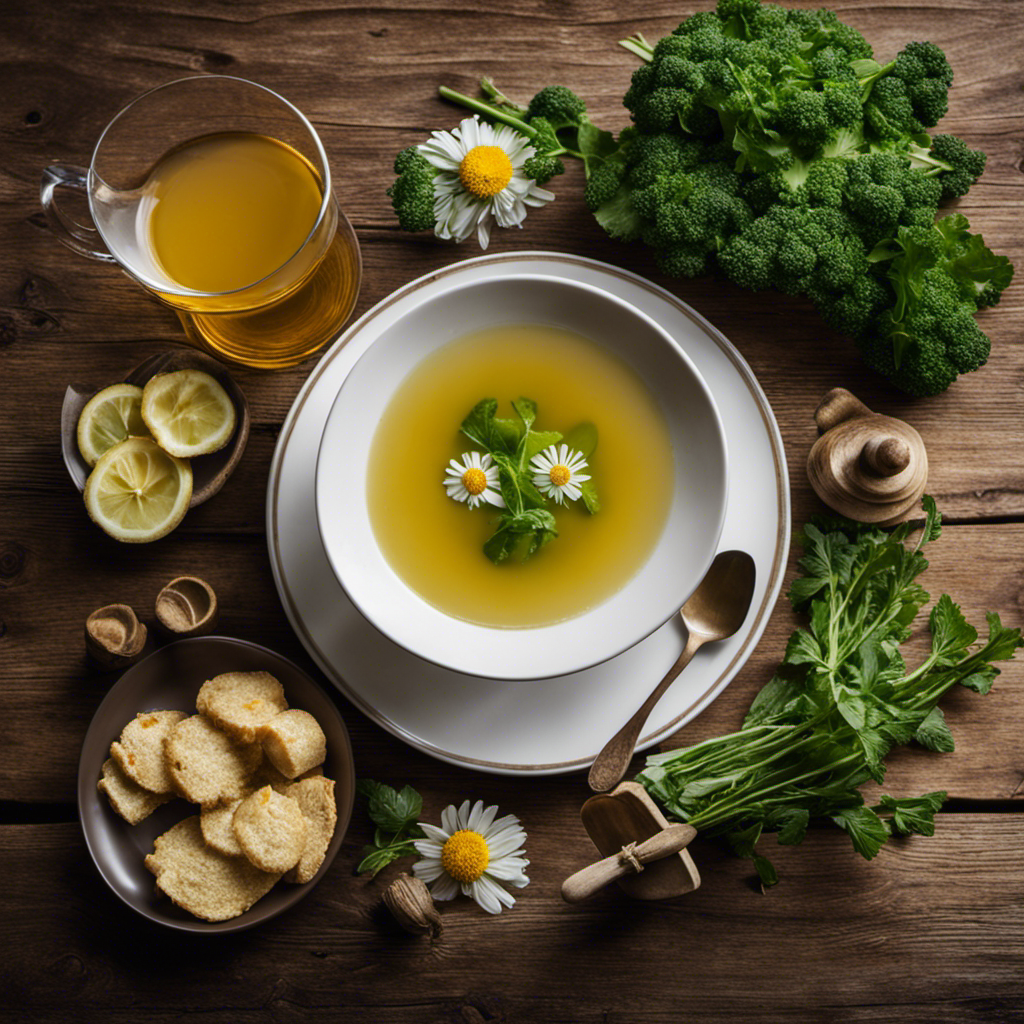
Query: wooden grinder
866	466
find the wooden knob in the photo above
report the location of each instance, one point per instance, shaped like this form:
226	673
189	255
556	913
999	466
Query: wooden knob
866	466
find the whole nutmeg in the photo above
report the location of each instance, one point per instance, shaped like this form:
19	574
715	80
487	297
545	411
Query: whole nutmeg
412	906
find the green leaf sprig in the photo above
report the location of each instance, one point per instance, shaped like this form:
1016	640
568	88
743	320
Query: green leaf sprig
527	523
394	814
841	699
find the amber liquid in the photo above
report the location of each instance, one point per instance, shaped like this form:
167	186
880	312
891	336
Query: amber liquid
230	211
435	544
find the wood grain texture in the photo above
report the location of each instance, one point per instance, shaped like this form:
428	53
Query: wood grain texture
928	932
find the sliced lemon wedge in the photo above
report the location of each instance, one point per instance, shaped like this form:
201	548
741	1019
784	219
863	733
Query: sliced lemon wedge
188	413
109	417
137	492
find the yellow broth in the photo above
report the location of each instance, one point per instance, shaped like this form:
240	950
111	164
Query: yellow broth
434	543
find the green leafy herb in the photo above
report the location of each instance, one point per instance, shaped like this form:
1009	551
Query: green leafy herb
526	524
840	700
394	813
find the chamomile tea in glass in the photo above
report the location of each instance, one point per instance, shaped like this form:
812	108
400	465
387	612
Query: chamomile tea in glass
215	194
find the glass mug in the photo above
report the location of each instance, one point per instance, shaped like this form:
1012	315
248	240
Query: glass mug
214	194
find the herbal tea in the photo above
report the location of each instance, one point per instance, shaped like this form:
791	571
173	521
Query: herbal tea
227	211
435	544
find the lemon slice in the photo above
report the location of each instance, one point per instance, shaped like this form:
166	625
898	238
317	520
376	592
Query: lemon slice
137	492
188	413
109	417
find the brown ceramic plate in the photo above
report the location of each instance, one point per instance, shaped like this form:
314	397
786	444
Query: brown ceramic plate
170	679
209	472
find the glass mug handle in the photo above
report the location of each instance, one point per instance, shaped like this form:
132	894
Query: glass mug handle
75	236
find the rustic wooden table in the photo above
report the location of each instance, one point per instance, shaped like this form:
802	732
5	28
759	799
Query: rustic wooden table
932	930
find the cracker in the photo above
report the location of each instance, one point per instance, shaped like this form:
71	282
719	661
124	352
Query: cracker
202	881
240	702
315	797
218	830
139	752
271	830
128	798
293	742
205	765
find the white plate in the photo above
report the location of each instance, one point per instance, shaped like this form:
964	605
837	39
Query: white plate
560	724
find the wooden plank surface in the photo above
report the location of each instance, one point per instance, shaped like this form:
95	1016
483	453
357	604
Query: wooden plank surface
930	931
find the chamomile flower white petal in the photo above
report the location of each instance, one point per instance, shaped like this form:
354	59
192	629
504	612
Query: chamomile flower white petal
480	179
474	480
472	853
558	472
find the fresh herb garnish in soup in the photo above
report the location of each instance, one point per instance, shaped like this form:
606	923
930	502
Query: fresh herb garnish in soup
489	509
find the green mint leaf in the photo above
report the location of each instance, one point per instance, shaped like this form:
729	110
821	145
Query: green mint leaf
765	870
374	859
980	682
506	433
526	410
803	649
390	810
588	492
933	733
500	545
951	633
583	438
790	823
865	828
478	426
533	519
536	442
914	814
532	498
743	840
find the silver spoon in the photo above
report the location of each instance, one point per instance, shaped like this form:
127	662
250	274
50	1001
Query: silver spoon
715	610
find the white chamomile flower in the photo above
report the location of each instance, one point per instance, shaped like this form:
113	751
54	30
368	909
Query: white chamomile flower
558	472
473	852
475	480
480	179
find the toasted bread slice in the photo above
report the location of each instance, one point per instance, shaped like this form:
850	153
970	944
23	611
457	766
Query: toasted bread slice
139	752
202	881
240	702
127	798
315	797
271	830
206	765
293	742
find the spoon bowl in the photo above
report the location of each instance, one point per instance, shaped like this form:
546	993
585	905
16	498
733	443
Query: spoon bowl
714	611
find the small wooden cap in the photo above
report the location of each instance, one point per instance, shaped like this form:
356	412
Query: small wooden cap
187	607
114	637
868	467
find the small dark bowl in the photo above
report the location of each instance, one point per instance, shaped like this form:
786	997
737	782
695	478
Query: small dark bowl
170	679
209	472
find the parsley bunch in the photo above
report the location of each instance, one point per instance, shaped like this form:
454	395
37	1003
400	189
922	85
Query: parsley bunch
841	699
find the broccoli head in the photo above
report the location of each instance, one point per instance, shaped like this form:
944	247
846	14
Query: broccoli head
412	194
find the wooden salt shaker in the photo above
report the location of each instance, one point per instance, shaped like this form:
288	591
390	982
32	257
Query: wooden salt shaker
868	467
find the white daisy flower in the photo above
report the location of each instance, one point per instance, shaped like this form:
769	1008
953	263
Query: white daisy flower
473	852
474	481
558	472
480	179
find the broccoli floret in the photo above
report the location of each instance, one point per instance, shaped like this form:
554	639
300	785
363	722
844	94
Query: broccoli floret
963	164
558	105
412	194
909	94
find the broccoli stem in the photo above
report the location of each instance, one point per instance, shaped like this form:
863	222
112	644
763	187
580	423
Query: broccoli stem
488	110
638	46
496	113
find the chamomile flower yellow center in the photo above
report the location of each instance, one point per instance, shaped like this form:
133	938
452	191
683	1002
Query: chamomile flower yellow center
560	475
465	856
474	480
485	171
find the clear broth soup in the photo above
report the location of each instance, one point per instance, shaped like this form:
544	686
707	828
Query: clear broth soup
435	543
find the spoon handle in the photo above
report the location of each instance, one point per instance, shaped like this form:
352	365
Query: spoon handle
610	765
